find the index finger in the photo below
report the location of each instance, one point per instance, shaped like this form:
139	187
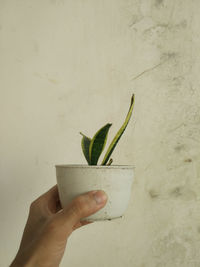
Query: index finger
51	200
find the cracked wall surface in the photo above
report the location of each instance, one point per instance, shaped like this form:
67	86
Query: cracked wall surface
70	66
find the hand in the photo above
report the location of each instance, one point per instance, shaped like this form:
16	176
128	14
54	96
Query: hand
49	226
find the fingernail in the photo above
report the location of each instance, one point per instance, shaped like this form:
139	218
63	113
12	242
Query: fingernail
99	196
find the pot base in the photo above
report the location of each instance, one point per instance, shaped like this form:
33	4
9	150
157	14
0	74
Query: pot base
99	220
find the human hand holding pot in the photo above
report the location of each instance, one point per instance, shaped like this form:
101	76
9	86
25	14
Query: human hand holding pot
49	226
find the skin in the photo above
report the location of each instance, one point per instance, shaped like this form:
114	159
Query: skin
49	226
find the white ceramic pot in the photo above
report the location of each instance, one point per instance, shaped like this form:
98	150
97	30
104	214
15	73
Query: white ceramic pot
115	180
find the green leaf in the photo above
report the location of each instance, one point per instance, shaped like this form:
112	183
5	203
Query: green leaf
97	144
119	133
85	143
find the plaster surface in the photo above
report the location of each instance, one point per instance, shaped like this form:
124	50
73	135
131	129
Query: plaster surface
71	66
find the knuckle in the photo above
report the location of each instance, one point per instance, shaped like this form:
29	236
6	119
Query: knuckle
35	204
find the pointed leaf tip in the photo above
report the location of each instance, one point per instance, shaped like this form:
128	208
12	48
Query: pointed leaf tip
132	98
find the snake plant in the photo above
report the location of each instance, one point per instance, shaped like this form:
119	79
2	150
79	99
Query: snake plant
92	148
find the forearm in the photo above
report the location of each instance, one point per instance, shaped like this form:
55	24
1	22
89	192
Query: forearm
17	263
21	261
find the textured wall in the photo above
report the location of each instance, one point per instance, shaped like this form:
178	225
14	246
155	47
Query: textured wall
69	66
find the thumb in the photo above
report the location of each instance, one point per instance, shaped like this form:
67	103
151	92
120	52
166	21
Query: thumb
81	207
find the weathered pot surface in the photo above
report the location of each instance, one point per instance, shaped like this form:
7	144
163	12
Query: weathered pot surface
115	180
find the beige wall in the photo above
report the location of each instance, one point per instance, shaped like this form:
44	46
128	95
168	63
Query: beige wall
69	66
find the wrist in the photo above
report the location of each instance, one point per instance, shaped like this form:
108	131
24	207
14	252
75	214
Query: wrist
20	262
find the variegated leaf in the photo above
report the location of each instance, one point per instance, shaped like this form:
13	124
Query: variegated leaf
85	143
119	133
97	144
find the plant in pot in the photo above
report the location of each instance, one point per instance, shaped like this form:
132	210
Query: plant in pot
115	180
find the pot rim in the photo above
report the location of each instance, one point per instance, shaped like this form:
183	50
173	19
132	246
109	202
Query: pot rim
95	166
